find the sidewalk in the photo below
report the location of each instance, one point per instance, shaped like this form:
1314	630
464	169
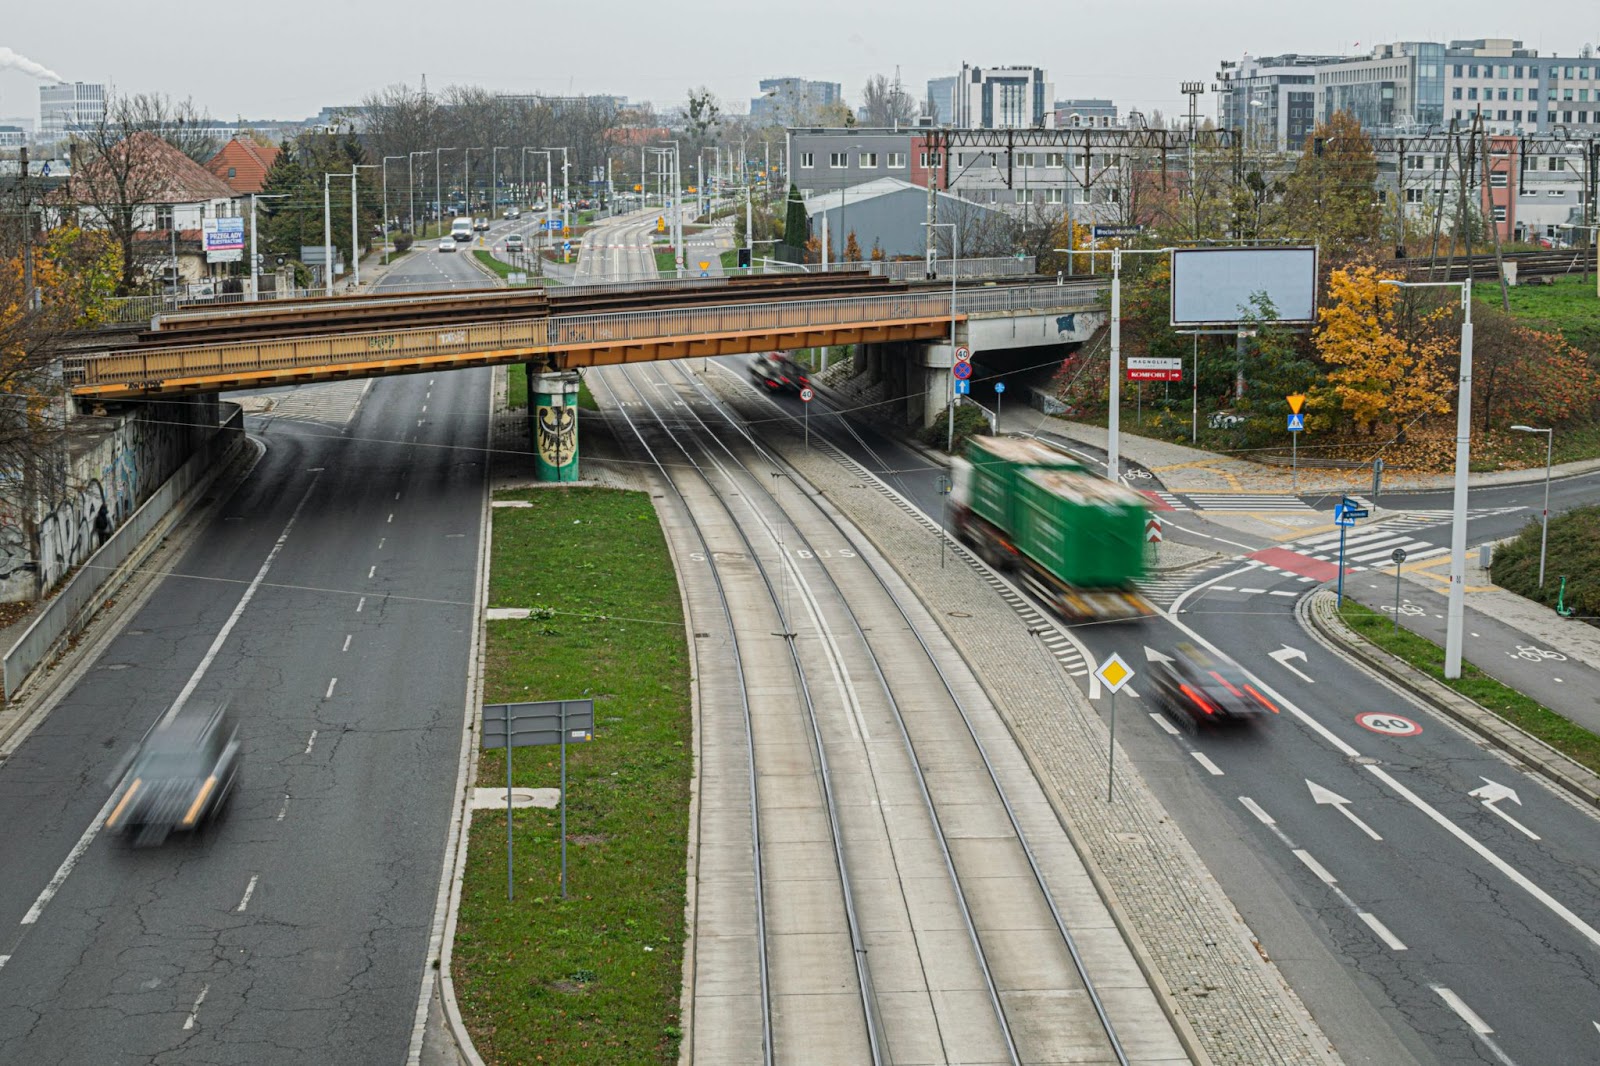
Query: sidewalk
1181	468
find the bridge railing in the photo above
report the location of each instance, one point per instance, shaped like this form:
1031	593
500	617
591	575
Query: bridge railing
1046	296
510	337
1002	266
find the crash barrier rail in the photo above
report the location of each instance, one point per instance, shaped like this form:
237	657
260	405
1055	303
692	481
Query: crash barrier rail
511	335
1003	266
87	590
1046	296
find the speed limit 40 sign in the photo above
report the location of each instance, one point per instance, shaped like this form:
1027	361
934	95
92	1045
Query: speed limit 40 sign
1390	725
806	394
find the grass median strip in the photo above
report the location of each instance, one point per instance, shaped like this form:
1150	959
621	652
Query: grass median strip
594	978
1528	714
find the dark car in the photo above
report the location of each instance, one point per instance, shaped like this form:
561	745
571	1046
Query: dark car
181	777
480	225
778	373
1196	687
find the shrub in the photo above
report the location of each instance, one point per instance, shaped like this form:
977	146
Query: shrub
403	242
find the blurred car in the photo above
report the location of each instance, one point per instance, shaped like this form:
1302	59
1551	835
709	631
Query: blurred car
181	777
777	372
481	225
447	245
1195	686
513	213
514	242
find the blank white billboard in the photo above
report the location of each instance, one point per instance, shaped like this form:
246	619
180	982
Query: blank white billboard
1214	286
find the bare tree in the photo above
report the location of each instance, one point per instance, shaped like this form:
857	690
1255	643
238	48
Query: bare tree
885	103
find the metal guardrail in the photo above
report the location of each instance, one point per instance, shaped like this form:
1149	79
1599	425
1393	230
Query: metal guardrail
1008	266
516	335
1046	296
81	596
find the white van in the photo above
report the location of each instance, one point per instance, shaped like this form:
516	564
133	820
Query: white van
461	229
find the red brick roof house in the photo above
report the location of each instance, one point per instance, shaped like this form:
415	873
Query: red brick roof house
243	164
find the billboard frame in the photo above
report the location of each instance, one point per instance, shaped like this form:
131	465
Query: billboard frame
1199	323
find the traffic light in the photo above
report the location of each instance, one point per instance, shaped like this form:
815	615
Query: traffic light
744	259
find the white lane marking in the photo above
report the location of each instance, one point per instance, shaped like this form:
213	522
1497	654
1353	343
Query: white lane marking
380	542
69	862
1282	657
1177	604
238	610
347	637
1315	867
329	694
362	602
419	422
249	890
391	518
284	809
1518	826
1394	943
1327	797
397	495
1252	591
1283	592
1584	928
1161	720
310	742
3	960
1211	768
424	408
373	569
1466	1013
1255	808
188	1023
1223	588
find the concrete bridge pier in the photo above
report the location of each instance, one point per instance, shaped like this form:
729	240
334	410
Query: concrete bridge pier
927	387
553	424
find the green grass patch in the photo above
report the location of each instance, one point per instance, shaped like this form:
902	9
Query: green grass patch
1568	305
666	263
595	978
1528	714
730	261
517	390
1573	553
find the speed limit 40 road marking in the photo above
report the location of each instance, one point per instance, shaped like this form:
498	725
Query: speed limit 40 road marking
1390	725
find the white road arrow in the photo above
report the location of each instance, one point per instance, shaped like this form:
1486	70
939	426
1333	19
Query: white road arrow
1492	792
1328	796
1153	656
1284	654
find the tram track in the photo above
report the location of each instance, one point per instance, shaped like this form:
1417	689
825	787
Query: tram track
962	873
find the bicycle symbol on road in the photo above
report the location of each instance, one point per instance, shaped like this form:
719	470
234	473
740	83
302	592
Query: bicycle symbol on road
1138	473
1534	654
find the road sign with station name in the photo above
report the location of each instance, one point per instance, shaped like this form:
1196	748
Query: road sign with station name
1146	368
1099	232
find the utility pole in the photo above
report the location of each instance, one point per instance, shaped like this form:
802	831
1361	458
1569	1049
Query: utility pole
1191	89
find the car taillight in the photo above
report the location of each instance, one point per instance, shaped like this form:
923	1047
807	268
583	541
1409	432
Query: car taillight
1199	700
1261	699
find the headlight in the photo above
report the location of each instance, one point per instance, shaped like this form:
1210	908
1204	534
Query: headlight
116	812
199	800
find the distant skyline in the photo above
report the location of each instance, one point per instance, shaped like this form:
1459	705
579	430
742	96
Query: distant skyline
288	64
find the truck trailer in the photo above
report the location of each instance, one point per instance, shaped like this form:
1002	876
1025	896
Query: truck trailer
1074	538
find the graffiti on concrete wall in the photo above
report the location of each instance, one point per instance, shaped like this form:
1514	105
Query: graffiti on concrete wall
103	486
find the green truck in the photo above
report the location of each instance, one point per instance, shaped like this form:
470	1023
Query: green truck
1076	539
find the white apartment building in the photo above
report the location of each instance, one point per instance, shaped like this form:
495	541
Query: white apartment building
65	106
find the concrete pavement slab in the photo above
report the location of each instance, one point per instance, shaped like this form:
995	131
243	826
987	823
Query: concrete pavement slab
812	963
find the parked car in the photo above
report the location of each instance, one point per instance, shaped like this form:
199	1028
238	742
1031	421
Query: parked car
514	242
777	372
1195	686
447	245
181	775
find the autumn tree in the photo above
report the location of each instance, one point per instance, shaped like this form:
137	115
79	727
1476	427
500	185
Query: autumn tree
852	248
1389	363
1331	196
1521	373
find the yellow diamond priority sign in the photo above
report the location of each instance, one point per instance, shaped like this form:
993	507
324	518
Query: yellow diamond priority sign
1114	673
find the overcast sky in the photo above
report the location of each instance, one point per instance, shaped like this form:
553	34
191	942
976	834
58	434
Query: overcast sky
289	59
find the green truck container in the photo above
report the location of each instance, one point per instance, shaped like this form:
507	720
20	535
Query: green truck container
997	465
1085	530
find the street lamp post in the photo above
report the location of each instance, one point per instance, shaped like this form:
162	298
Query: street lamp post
327	230
466	178
1544	521
411	195
955	258
1114	415
494	177
564	190
355	219
438	186
386	205
1456	612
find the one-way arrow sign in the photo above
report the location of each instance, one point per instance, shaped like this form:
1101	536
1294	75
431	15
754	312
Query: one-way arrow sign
1282	657
1327	796
1492	792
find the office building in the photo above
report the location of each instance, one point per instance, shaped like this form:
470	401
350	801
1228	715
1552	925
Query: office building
1087	113
69	106
793	101
940	107
1001	98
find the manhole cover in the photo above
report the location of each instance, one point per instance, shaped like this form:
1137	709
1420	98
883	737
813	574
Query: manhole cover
495	798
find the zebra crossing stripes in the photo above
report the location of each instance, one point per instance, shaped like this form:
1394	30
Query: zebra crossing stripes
1246	501
1372	547
1163	500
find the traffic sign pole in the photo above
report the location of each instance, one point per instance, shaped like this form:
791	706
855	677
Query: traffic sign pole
1342	528
1399	556
1294	462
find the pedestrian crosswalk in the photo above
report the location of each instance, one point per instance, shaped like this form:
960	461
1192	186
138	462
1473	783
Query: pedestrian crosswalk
1366	548
1246	501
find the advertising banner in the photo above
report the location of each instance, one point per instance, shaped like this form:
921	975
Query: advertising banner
224	239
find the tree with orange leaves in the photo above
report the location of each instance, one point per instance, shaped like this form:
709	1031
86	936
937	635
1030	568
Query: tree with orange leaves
1388	364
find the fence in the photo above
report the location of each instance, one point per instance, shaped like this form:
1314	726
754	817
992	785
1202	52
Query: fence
87	590
1008	266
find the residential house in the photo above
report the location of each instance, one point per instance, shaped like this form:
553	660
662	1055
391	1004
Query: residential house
243	164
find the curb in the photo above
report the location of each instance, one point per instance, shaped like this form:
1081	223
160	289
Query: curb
1318	609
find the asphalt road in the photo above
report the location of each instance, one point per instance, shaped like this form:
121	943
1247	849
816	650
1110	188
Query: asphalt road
1418	922
331	604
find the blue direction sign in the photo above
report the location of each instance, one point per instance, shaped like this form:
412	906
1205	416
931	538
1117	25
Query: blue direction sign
962	371
552	223
963	387
1297	423
999	386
